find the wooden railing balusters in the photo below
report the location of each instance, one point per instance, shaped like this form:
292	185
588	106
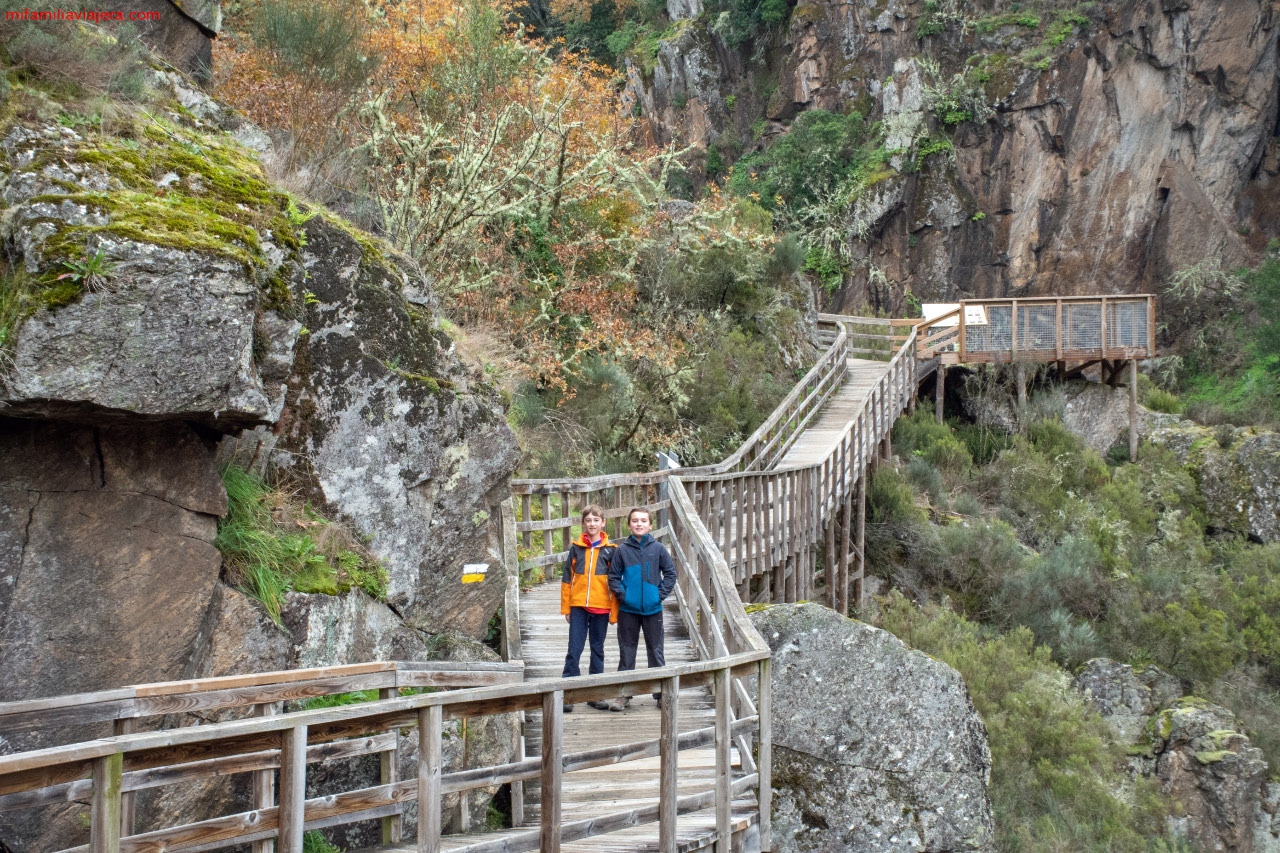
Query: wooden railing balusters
293	789
724	770
430	764
105	809
668	758
264	781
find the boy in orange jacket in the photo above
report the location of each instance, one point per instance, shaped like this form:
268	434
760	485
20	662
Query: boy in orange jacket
586	601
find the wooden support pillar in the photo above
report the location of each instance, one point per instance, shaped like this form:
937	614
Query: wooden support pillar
389	772
552	769
128	808
668	757
831	571
264	782
845	540
430	790
293	789
764	758
1020	375
104	814
939	392
859	585
724	772
1133	410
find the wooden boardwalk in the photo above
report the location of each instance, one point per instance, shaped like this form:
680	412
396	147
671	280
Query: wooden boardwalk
602	790
845	405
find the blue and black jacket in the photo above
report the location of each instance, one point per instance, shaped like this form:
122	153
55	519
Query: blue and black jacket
641	575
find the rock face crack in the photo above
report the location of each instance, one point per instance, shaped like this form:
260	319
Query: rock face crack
102	462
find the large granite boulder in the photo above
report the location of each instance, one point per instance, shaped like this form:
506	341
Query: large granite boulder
1197	751
1206	764
1126	698
1099	415
1238	472
876	747
387	427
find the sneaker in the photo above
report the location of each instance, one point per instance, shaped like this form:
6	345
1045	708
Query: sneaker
599	704
568	709
620	704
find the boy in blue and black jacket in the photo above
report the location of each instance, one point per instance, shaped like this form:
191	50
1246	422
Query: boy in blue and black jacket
641	575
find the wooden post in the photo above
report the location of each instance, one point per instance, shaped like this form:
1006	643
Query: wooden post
845	538
831	572
128	808
960	348
552	769
293	788
430	762
940	392
1102	314
1057	331
389	772
1133	410
105	813
1151	327
764	759
1013	330
668	757
724	773
1021	380
264	782
862	542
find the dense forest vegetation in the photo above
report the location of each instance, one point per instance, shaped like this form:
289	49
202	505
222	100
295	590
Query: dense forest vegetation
629	299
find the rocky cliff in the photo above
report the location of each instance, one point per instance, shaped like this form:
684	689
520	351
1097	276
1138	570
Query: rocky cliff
1091	146
167	309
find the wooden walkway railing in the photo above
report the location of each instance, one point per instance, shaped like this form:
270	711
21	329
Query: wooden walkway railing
744	530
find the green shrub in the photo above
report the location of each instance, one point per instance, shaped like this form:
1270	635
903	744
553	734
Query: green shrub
821	150
324	40
894	523
313	841
925	478
1056	782
1158	400
265	555
976	559
984	443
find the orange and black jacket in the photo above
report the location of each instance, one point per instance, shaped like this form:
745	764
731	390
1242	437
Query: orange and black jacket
586	576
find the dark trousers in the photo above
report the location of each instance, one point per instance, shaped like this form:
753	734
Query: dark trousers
629	627
584	624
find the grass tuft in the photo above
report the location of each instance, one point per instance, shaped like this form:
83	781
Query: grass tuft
272	544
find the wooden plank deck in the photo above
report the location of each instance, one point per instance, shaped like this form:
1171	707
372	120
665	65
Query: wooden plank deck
816	442
602	790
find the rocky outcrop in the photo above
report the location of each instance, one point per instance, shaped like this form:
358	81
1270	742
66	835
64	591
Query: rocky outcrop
1099	415
1238	472
391	431
1196	750
882	750
174	311
1126	141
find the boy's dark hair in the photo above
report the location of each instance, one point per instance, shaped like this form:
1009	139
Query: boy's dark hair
636	509
592	509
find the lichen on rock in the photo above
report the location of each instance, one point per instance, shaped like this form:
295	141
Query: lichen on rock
876	747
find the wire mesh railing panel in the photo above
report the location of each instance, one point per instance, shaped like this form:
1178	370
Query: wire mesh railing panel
1037	328
1127	324
1082	326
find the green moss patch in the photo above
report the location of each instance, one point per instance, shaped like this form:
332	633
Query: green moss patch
219	205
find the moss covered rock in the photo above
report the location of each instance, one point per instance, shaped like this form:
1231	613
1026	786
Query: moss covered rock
1238	471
